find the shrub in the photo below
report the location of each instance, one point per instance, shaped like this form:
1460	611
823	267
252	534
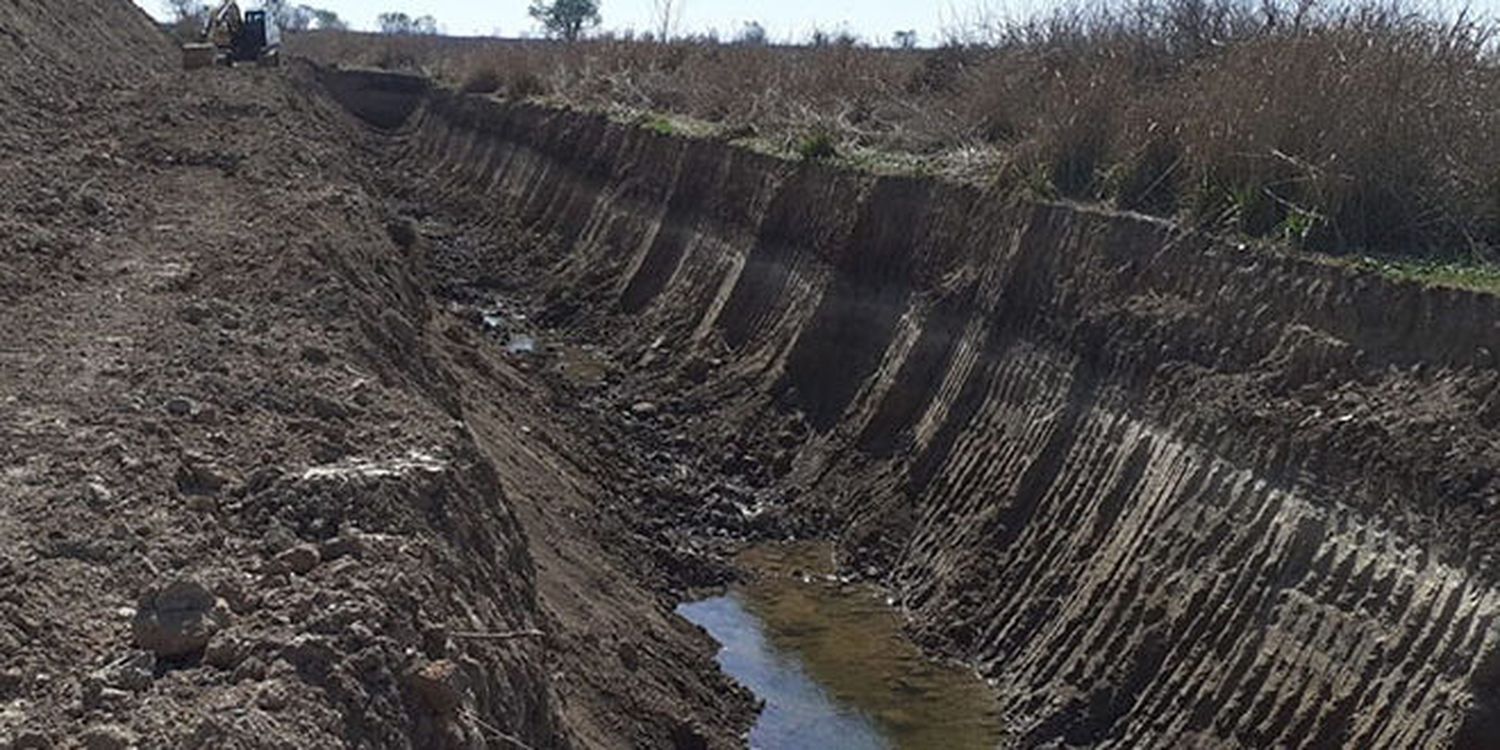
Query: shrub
482	80
817	146
1343	128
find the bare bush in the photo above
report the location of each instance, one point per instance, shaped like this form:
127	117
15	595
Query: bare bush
1351	128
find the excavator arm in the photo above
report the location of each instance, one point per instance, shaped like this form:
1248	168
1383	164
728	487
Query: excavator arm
225	24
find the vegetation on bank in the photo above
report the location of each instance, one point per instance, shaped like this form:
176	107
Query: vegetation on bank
1353	129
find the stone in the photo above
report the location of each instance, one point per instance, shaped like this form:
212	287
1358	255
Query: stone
178	619
32	740
180	406
327	409
199	479
194	314
134	671
92	204
224	652
315	355
97	495
107	737
271	696
252	668
299	559
344	545
11	681
697	370
441	686
104	698
644	409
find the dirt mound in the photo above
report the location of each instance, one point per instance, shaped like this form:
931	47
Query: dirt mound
1163	490
244	503
52	50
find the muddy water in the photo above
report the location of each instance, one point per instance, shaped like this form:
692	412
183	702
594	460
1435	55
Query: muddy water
832	665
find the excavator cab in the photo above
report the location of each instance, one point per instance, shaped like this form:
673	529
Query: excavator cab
259	40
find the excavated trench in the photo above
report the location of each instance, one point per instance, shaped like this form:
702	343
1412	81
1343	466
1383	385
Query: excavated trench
1160	489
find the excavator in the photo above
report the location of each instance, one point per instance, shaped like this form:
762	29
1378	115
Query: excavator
231	37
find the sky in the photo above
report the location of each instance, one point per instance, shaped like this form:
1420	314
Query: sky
873	20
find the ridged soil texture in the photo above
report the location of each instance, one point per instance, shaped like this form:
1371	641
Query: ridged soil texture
1163	490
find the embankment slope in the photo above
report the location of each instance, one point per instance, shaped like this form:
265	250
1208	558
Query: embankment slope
1163	490
242	500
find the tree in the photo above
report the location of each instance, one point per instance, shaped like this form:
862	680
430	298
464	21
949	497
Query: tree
183	10
327	20
905	39
566	19
288	17
668	14
189	18
752	33
400	23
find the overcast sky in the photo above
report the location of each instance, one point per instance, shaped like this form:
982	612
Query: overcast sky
874	20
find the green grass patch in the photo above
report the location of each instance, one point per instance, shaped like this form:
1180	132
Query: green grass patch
1477	277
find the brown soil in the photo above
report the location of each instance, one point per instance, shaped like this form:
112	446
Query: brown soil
259	488
409	429
1162	490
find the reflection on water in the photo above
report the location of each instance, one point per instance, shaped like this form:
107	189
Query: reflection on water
832	665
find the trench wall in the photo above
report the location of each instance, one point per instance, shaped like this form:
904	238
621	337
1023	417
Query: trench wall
1163	490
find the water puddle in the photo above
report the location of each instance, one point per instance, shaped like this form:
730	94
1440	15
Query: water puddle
581	366
832	665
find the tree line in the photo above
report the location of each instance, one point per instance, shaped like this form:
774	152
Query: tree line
190	16
568	20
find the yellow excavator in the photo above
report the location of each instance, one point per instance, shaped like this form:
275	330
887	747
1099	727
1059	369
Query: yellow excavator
230	37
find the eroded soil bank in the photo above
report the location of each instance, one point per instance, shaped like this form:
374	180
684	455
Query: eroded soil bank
1162	489
281	468
258	487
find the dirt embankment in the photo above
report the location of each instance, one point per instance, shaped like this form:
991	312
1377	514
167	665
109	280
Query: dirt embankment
256	488
1163	490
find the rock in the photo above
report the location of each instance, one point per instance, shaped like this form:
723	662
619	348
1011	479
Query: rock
202	503
107	737
97	495
194	314
402	231
277	539
252	668
344	545
199	479
697	370
311	655
92	204
32	740
314	355
11	681
441	686
262	478
179	619
237	593
179	406
326	408
300	559
272	696
104	698
224	652
644	409
435	641
134	671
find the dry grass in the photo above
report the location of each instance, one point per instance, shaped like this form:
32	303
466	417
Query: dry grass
1348	129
